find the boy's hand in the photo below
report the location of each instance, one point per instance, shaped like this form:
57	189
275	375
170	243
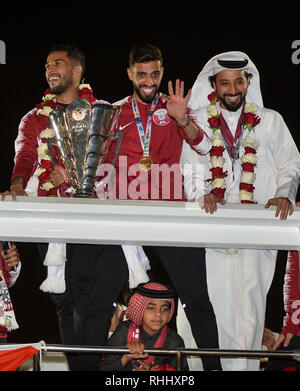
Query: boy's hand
136	349
142	367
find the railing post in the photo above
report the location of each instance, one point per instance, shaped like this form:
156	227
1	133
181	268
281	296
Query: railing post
297	355
36	364
178	361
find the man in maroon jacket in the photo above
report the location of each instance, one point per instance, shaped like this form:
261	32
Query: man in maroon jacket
157	131
94	274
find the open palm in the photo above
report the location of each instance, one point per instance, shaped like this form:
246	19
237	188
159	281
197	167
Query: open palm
177	102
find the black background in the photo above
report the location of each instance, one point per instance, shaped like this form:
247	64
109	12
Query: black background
188	38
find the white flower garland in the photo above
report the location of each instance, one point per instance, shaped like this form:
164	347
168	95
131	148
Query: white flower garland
248	160
218	181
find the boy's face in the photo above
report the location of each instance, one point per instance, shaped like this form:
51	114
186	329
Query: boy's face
156	315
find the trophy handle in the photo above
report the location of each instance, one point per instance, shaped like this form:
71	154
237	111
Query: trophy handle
51	142
119	135
111	175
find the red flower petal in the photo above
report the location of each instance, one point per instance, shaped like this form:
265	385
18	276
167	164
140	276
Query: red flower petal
217	172
250	150
213	97
218	192
214	122
46	164
248	167
216	151
247	187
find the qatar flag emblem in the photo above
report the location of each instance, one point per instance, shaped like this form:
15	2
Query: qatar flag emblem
161	117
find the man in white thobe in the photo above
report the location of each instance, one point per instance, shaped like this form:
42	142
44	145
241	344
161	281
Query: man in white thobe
239	279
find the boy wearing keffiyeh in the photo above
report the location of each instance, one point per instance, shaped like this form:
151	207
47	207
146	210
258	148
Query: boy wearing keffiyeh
149	311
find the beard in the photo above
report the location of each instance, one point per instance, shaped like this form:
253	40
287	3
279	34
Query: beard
64	84
234	106
145	98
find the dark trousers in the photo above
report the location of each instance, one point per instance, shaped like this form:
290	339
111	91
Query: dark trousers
95	276
187	271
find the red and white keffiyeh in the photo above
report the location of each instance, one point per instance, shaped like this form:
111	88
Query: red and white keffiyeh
142	297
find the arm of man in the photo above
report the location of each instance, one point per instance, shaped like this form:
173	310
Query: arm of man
196	188
287	162
26	145
17	186
25	157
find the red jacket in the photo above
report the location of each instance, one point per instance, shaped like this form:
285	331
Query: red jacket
165	150
27	142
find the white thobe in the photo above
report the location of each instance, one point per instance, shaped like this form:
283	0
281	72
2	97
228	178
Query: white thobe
238	284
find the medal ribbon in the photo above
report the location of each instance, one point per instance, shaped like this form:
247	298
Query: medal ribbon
144	137
232	144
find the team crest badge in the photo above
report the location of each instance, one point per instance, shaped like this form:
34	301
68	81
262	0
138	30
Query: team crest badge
161	117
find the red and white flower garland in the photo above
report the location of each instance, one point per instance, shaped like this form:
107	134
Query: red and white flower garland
44	109
248	160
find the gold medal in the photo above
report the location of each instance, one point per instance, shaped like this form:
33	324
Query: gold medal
145	163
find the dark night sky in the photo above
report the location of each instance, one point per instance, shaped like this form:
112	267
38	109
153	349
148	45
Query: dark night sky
186	49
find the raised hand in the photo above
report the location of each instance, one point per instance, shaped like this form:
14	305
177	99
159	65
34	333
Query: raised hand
177	102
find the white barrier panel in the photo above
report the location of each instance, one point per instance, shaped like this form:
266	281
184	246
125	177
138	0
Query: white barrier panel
32	219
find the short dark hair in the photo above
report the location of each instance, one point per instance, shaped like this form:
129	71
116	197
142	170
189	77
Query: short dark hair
72	52
212	79
144	52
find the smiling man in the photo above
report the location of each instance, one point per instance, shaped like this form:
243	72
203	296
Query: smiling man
94	274
231	88
63	70
63	73
146	79
253	160
155	128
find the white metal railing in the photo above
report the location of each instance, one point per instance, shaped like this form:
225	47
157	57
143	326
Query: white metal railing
41	219
179	353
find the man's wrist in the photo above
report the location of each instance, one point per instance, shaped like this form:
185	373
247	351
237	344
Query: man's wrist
185	123
18	182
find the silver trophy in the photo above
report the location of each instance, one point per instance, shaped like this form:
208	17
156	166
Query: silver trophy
82	133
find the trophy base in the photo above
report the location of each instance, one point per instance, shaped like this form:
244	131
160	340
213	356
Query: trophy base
84	194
